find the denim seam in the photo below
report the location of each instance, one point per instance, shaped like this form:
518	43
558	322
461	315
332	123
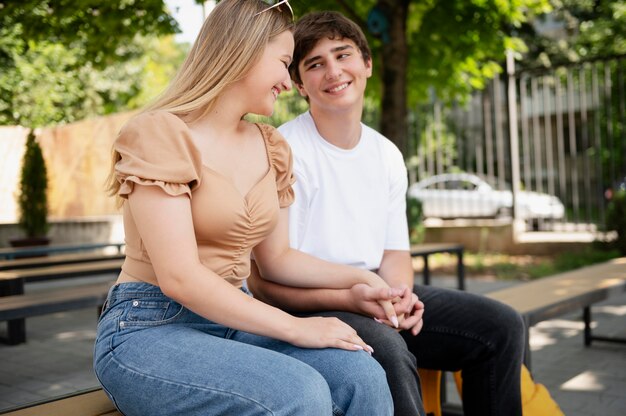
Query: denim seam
188	385
443	330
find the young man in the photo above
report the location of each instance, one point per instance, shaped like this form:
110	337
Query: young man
350	208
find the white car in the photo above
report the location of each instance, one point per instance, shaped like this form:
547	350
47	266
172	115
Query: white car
464	195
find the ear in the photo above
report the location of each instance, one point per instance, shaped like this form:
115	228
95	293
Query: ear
368	66
301	89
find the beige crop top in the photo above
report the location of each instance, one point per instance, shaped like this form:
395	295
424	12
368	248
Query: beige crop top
156	149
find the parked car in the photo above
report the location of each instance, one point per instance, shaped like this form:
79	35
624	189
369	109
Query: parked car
465	195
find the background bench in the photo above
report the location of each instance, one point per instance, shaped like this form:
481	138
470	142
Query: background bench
14	300
562	293
425	250
55	260
20	252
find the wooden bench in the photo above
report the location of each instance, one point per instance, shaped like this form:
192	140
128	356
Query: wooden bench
536	301
52	301
425	250
20	252
562	293
92	402
56	260
12	286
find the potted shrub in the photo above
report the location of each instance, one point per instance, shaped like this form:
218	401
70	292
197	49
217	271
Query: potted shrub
33	196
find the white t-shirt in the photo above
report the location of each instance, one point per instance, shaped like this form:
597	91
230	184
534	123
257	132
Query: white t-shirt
350	205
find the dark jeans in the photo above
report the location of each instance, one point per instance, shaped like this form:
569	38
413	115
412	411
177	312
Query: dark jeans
462	331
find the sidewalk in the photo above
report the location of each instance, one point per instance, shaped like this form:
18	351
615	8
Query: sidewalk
56	360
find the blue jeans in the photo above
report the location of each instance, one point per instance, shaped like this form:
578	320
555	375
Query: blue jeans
155	357
462	331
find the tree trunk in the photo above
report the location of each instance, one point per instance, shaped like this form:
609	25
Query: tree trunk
394	55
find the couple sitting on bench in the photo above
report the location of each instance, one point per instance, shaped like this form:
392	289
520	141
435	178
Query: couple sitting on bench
202	189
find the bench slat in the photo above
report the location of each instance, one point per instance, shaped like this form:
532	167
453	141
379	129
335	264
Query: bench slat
92	403
552	296
52	301
58	259
63	270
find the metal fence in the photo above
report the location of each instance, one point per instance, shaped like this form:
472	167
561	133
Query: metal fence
560	132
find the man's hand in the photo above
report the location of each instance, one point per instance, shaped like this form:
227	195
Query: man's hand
413	319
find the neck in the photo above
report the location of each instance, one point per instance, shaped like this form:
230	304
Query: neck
341	129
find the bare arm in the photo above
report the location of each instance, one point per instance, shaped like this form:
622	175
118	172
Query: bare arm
295	298
396	268
278	263
172	248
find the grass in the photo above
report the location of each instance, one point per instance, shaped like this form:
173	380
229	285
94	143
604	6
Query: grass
519	267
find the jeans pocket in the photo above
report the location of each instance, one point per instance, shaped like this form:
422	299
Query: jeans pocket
142	312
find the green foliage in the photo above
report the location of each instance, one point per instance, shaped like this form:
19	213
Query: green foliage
616	219
33	197
576	30
66	60
454	45
99	29
415	218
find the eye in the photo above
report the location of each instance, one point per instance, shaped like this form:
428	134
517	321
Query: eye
314	65
343	56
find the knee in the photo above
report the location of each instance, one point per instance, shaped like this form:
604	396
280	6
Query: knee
309	395
511	329
368	387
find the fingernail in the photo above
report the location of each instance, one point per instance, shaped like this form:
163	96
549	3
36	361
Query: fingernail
370	349
394	321
379	321
358	347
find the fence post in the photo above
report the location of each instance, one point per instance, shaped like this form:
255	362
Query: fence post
513	137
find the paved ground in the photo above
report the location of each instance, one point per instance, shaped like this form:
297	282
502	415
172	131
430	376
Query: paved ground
56	360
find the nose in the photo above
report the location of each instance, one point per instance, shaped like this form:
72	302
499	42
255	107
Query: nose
333	70
286	84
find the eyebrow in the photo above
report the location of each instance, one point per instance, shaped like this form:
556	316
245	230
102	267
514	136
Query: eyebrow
333	50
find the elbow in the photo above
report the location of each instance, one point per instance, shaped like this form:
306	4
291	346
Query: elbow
173	283
255	282
171	287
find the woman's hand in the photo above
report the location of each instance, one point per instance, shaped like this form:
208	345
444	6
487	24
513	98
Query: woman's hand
376	282
321	332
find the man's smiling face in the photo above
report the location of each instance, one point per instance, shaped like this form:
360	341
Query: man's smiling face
334	75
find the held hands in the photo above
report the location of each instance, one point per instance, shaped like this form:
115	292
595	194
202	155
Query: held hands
384	296
320	332
407	306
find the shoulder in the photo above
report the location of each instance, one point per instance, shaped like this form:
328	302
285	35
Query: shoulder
386	147
278	149
153	120
155	127
157	138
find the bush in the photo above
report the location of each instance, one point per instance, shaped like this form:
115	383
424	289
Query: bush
415	218
616	219
33	197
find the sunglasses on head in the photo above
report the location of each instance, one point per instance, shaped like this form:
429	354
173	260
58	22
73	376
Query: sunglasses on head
279	4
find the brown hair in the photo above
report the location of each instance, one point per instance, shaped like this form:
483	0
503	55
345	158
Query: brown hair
314	26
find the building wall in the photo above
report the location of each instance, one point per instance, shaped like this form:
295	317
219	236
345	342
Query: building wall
78	160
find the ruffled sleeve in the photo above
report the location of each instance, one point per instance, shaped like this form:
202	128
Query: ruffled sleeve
282	163
156	149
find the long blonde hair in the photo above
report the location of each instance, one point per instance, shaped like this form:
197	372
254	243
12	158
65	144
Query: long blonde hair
232	39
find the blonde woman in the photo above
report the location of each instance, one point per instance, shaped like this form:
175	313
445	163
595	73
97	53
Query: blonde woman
201	190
